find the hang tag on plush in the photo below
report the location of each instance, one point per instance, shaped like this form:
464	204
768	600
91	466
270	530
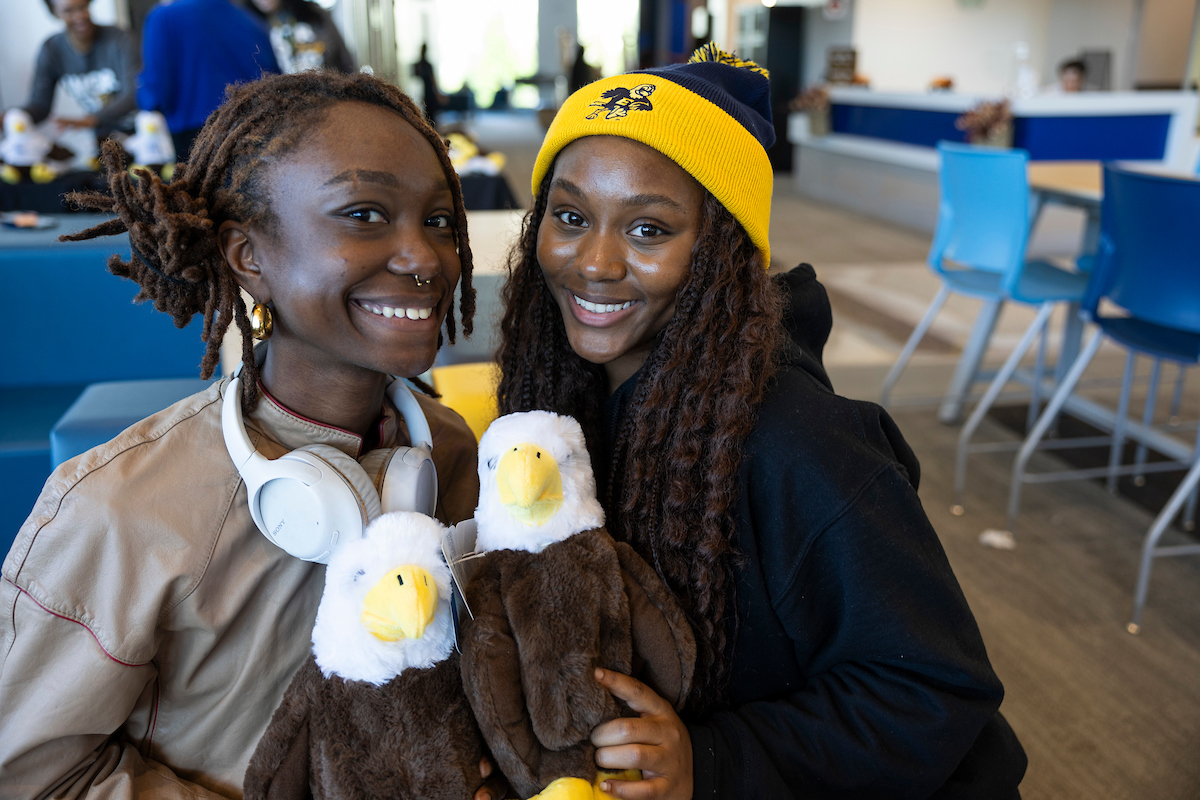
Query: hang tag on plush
458	548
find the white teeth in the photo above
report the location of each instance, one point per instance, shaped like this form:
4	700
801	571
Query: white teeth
601	308
391	311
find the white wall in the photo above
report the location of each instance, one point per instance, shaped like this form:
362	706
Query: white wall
902	46
1077	25
26	24
821	34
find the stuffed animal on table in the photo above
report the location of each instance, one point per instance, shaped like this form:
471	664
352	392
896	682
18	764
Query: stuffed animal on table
150	146
24	150
378	710
553	599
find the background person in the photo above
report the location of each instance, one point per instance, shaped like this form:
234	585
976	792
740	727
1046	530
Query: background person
95	64
303	36
431	95
1072	76
192	50
836	654
148	629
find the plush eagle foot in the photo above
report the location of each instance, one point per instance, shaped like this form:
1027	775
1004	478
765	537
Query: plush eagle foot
566	789
10	174
41	173
615	775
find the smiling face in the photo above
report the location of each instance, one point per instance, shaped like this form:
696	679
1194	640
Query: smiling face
359	263
615	246
78	18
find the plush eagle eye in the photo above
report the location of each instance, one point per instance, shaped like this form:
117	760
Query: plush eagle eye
491	462
359	574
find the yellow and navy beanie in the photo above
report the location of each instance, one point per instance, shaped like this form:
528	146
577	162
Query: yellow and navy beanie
711	116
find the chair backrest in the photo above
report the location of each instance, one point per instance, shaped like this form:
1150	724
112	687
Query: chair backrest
1148	260
983	216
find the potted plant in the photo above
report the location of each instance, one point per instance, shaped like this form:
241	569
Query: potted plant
988	123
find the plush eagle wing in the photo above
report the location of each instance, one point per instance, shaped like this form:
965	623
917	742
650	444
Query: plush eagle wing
543	623
279	768
664	648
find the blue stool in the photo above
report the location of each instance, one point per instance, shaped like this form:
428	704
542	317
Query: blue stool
978	251
106	409
1148	265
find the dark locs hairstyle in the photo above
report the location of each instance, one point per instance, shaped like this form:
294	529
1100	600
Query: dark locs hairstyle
672	482
177	260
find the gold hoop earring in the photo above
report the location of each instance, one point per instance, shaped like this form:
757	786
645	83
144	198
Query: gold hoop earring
420	282
261	323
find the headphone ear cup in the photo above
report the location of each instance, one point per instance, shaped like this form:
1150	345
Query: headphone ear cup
366	495
405	477
319	498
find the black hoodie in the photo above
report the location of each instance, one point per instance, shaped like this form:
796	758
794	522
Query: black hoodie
857	669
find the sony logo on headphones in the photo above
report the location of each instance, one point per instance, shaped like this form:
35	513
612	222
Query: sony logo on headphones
275	531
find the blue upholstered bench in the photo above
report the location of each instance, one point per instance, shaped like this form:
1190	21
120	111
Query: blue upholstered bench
68	323
105	409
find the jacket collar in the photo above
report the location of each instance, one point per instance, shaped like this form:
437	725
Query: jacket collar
292	430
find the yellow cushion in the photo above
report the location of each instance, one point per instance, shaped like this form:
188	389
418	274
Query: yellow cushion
470	389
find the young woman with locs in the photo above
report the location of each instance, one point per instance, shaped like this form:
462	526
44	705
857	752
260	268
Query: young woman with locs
148	628
837	656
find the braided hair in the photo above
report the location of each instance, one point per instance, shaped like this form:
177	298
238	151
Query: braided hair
177	261
672	477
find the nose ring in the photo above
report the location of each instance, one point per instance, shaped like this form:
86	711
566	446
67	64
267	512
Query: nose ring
420	282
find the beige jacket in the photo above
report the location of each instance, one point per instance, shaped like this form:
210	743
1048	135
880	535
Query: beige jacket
147	629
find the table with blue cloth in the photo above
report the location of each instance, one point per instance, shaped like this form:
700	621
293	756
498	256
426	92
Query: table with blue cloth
69	323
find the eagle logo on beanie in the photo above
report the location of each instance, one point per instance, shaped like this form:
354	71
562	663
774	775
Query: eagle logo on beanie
619	102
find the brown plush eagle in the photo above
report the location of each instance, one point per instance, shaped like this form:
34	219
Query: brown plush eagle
553	599
378	710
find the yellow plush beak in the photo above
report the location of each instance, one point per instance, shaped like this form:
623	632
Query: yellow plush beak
401	604
530	484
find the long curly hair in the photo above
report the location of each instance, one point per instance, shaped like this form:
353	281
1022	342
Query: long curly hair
177	261
672	475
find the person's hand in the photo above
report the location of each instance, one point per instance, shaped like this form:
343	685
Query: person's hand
75	122
656	742
494	785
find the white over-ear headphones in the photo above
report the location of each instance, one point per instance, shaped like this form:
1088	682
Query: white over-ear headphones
313	498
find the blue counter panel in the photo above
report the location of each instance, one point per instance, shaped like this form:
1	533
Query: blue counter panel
908	125
1093	138
1074	138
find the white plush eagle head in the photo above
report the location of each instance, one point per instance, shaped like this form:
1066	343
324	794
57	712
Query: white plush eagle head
535	483
151	143
386	605
23	145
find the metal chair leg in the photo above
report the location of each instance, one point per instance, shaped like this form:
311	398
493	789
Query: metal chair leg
1189	484
1035	395
1177	397
1045	421
1139	458
1189	511
1036	327
1116	450
911	345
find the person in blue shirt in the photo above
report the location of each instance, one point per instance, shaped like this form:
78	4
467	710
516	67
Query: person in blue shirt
192	50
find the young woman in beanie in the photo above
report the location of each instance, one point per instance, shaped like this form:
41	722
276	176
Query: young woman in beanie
837	656
148	629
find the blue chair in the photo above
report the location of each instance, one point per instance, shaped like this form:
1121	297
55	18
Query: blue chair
979	251
1148	265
